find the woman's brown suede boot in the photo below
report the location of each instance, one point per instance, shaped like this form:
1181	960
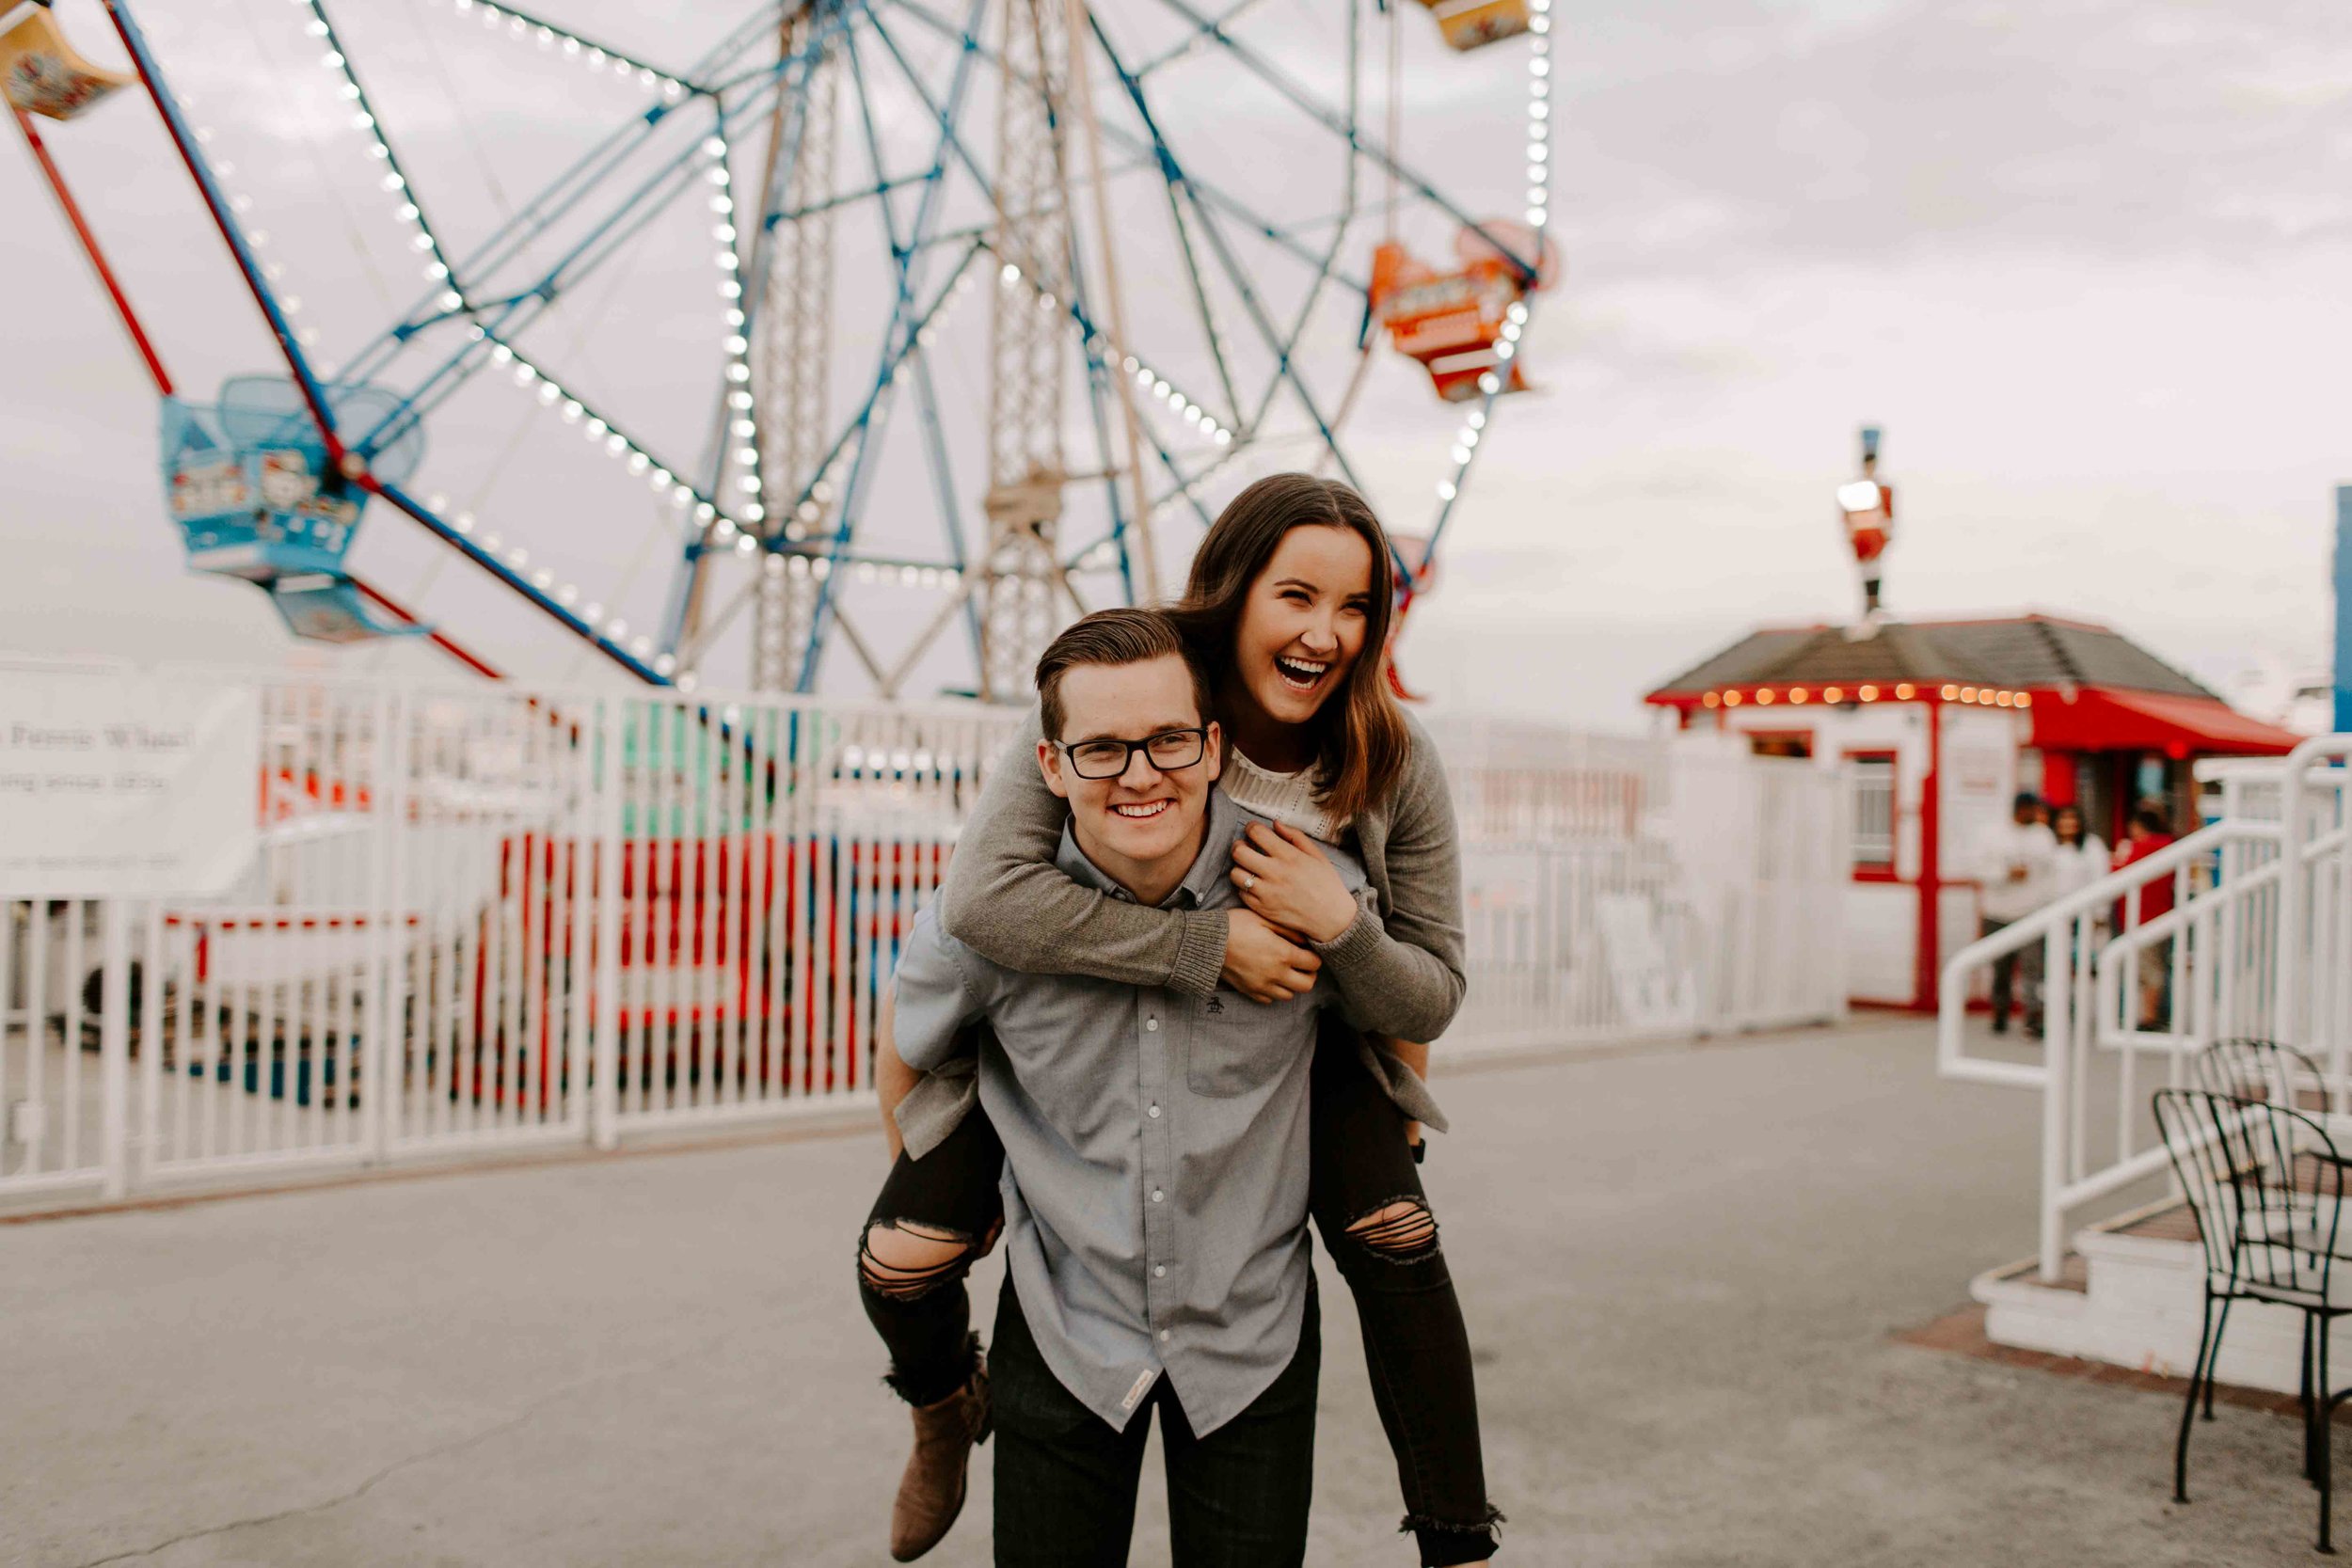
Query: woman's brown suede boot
930	1494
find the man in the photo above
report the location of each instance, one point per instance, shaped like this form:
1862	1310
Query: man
2017	863
1155	1170
2145	834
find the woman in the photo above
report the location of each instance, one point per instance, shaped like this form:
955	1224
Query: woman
1289	608
2082	858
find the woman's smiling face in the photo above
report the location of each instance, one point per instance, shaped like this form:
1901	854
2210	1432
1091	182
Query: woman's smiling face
1302	628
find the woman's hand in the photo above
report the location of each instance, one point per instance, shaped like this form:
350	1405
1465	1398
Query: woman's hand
1284	877
1262	963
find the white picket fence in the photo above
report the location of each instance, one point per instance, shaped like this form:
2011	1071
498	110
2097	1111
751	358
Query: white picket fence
493	917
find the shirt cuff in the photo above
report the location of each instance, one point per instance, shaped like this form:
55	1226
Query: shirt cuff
1363	934
1200	953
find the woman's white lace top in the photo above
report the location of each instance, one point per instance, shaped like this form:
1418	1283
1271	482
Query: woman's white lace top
1284	796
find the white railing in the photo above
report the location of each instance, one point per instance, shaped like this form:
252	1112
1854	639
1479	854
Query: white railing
492	917
2257	944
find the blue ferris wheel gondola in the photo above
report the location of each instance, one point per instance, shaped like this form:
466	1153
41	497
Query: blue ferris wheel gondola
247	480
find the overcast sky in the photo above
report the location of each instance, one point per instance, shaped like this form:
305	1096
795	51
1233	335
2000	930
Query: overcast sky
2084	261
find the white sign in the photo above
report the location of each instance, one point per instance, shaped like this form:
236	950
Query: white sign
121	785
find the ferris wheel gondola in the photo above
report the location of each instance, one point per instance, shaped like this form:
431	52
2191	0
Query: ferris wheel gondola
1475	23
256	498
41	73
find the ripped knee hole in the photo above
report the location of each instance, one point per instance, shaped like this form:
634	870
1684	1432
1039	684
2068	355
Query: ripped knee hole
1400	1231
902	1261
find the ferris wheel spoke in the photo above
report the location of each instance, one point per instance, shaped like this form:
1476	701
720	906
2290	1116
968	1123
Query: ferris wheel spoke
951	503
1382	157
1282	348
1286	367
652	196
941	116
1200	33
855	438
903	336
528	23
1126	141
514	234
395	177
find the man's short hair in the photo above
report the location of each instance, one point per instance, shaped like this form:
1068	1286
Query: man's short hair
2026	800
1112	637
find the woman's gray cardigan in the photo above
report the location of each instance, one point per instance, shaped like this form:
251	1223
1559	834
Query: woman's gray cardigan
1400	964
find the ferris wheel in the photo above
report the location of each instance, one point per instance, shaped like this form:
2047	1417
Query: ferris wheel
970	312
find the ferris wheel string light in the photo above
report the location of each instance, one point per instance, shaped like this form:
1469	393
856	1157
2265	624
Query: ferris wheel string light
1539	214
408	208
523	27
257	240
639	460
1202	423
724	233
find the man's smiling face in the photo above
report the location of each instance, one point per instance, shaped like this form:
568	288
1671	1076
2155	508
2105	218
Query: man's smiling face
1145	818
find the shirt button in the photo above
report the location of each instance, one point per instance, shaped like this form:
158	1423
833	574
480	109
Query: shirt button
1159	1271
1155	1111
1163	1335
1150	1024
1157	1194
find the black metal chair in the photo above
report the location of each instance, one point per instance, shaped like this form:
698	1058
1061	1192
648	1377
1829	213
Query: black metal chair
2247	1067
2251	1068
2266	1186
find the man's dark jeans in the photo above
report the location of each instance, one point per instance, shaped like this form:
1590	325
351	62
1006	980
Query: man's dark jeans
1066	1481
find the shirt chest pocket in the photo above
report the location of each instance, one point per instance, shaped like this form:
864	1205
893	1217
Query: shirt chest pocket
1233	1045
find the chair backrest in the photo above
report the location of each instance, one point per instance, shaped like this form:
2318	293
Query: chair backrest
2249	1068
2264	1182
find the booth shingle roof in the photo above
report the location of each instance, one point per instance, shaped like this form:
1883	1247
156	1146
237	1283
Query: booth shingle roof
2031	651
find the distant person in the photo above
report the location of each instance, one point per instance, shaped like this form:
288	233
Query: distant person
2082	855
2017	863
2148	832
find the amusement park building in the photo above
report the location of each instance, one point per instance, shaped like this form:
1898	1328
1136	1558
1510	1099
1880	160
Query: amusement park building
1942	723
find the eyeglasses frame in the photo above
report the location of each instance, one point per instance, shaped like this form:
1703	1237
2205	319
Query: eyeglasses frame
1127	758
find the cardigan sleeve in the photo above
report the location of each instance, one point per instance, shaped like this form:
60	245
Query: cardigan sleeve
1007	901
1402	972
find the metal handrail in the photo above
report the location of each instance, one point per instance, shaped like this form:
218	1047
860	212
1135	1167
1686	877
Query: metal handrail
2108	967
2292	915
2053	917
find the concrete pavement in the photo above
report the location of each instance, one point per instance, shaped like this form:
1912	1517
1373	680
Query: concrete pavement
1681	1268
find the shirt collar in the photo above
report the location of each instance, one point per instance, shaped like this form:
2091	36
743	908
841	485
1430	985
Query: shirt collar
1207	866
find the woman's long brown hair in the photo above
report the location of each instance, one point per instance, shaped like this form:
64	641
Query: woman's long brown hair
1360	739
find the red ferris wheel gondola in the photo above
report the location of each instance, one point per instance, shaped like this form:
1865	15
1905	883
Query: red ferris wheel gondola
1465	323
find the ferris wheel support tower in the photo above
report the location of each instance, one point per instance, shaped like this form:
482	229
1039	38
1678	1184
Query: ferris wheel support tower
1021	571
794	358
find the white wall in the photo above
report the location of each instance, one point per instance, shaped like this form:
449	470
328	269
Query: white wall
1979	780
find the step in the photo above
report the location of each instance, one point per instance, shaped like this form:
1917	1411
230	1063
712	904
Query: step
2132	1294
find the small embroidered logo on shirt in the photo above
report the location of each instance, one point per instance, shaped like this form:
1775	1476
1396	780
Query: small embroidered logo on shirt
1143	1387
1215	1004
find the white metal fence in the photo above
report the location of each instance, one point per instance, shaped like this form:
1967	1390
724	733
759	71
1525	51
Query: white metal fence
2256	942
1615	889
491	917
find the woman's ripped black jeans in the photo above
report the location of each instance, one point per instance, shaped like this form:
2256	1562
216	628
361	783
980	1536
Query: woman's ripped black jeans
1376	1221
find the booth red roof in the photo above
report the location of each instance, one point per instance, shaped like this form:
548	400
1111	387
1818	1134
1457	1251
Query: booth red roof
2095	689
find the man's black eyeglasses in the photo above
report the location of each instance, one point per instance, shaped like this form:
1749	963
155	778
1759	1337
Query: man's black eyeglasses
1169	750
